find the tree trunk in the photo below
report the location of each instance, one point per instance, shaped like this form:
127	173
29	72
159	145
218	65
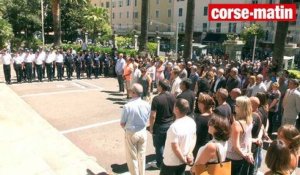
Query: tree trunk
56	21
279	43
189	28
144	27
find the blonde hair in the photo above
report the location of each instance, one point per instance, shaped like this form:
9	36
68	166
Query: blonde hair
245	109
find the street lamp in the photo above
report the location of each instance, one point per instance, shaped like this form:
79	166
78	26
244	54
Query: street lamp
136	42
86	37
158	44
254	47
99	37
43	30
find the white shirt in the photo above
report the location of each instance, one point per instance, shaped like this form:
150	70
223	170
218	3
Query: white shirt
120	66
182	132
59	58
50	58
18	59
261	87
41	58
29	58
222	146
136	75
6	59
151	70
176	86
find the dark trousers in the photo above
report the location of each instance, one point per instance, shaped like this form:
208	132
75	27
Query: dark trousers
239	167
49	69
69	70
28	67
96	71
121	83
172	170
19	72
44	71
256	153
159	140
53	71
39	71
88	70
33	70
59	67
7	73
272	116
78	71
106	71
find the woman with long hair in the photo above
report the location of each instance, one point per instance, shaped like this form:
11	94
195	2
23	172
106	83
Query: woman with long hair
239	144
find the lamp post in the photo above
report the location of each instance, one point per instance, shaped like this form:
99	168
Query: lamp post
43	30
136	42
176	39
254	46
86	37
158	45
99	37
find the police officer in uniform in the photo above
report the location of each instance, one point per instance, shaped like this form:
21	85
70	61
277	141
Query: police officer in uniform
78	64
6	60
69	60
59	65
18	61
28	65
39	62
96	64
88	64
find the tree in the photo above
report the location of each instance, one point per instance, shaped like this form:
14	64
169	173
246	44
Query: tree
189	28
56	13
5	32
279	45
144	27
96	20
248	34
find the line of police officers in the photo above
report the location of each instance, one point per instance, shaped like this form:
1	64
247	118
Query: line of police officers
28	64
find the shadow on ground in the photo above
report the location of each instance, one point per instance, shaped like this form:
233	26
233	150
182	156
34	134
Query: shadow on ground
116	168
89	172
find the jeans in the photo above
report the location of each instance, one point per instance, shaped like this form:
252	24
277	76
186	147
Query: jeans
172	170
159	140
239	167
121	83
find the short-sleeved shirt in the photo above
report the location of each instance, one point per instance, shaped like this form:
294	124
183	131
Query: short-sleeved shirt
182	132
163	104
272	96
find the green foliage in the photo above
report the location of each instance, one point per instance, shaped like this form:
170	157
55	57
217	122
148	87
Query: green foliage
123	41
31	42
294	73
5	32
249	32
152	46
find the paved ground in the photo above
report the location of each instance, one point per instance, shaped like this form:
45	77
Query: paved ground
87	112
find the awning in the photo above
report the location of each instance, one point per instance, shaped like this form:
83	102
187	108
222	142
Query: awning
215	38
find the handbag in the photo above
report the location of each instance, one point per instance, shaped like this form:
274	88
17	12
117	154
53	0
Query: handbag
220	168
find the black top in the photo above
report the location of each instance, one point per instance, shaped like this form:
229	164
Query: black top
232	83
189	95
224	110
202	132
263	115
163	104
231	103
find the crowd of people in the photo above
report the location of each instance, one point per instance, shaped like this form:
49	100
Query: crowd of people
203	111
215	111
51	64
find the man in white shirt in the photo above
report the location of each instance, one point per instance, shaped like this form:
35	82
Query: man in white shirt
29	58
181	140
175	89
120	65
39	62
18	60
7	60
259	86
59	60
291	103
50	57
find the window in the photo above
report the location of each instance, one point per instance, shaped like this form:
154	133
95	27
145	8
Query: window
128	3
135	3
157	28
107	4
113	4
157	1
181	26
157	14
120	26
204	26
170	1
254	2
102	4
120	3
120	15
270	1
95	4
169	13
136	14
113	15
234	28
180	0
127	14
205	11
169	27
180	12
218	27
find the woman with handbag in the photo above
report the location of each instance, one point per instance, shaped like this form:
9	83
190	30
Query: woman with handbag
239	144
215	150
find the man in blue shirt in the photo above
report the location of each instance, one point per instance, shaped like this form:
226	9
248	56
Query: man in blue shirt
134	120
